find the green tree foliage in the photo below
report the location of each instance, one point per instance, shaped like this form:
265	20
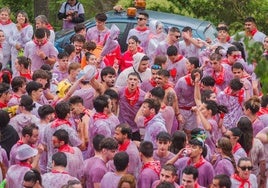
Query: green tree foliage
26	5
91	8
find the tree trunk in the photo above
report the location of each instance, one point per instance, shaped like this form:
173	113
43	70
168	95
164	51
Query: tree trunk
104	6
41	7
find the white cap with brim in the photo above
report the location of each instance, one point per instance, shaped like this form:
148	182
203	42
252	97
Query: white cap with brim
25	152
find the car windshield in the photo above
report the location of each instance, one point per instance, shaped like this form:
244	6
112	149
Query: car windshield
210	32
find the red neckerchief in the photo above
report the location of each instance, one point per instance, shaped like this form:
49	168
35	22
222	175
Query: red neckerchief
154	165
198	164
86	112
58	172
222	115
25	164
253	32
147	119
240	94
236	147
6	23
178	58
242	181
97	74
188	80
49	27
225	61
262	111
24	25
196	185
59	122
99	115
152	82
142	28
16	96
220	78
3	105
38	44
167	85
66	148
133	97
26	75
173	73
20	142
123	147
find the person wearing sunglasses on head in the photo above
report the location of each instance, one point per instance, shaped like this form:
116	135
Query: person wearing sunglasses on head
243	177
141	30
150	84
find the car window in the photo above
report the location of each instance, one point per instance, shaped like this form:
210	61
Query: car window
210	32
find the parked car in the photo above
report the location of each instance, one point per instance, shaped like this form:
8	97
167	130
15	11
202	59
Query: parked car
201	29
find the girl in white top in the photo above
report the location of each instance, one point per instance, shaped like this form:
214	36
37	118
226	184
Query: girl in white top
22	34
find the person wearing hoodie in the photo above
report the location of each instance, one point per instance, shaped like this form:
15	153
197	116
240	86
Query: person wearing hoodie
25	117
152	121
157	35
140	66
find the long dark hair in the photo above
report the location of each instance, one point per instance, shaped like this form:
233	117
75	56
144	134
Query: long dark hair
178	141
246	138
226	147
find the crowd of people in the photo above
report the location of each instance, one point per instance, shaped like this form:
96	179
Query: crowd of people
173	111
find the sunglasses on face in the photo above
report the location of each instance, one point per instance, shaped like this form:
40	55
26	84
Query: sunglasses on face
177	36
244	168
141	18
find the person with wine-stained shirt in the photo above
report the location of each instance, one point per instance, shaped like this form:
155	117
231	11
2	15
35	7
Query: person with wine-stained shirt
151	168
130	100
148	118
166	111
176	64
62	110
141	30
170	97
185	95
196	158
58	175
75	160
123	137
40	50
220	72
232	97
95	168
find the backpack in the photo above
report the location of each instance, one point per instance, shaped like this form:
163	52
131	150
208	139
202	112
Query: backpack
77	5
